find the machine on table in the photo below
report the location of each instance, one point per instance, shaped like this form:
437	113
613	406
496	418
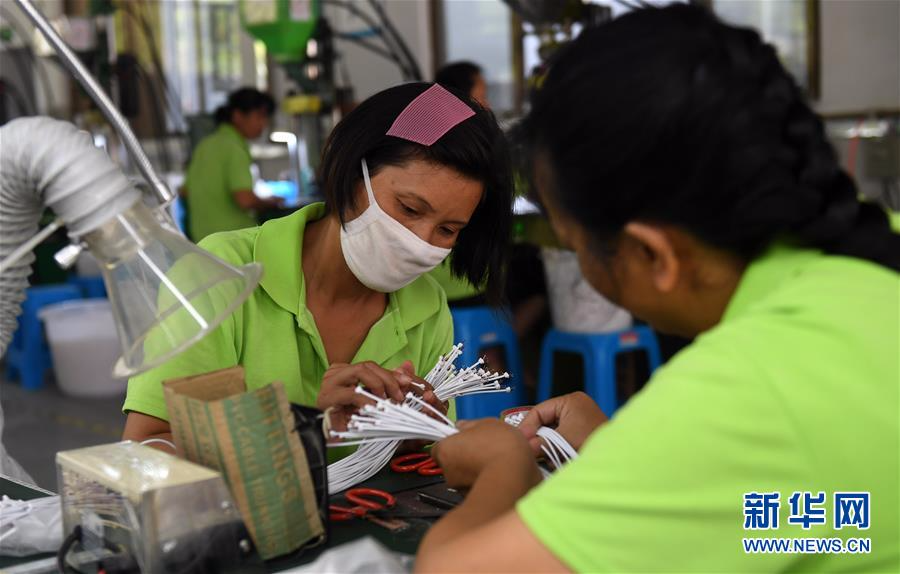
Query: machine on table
405	487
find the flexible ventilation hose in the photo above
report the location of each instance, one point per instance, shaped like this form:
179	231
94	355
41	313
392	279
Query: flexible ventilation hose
50	163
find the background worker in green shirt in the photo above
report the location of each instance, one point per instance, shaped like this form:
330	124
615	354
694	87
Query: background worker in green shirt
411	174
219	184
466	78
682	163
527	295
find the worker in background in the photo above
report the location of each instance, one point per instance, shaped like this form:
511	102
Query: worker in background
526	295
219	184
719	210
345	298
464	78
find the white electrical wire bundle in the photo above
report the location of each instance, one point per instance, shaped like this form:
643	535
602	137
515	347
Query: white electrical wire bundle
30	526
12	509
364	463
447	383
555	447
388	421
450	383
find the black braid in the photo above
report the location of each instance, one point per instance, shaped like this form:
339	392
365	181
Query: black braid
685	120
839	223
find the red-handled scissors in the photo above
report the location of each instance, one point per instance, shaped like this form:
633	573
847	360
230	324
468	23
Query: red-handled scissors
362	498
420	462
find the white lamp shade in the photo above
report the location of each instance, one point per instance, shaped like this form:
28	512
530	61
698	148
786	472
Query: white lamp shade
166	293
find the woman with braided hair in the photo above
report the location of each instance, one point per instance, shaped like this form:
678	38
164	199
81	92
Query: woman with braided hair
683	164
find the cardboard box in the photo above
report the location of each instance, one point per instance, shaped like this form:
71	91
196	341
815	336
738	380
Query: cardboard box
249	437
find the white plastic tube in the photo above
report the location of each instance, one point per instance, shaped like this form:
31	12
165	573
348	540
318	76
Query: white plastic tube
50	163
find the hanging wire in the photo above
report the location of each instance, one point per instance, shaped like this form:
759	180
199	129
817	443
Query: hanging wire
159	81
159	118
12	91
390	51
413	65
30	54
170	95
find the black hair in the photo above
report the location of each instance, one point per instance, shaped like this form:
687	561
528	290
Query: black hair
458	75
476	148
245	100
669	115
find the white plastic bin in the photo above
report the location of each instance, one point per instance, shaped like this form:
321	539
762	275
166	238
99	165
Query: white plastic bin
84	346
574	305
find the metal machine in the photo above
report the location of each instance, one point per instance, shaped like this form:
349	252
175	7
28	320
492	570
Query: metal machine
299	37
130	508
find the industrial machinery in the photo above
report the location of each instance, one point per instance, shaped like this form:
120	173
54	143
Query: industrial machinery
130	508
299	37
160	513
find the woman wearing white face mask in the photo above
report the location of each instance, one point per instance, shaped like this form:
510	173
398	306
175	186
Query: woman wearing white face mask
413	174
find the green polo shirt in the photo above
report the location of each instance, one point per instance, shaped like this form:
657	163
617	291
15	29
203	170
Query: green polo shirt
220	166
796	390
894	217
455	288
273	335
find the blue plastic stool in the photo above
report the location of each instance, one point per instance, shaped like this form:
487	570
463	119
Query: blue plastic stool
28	357
477	328
90	287
599	354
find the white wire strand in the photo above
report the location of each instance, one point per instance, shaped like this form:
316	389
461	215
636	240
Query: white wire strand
168	443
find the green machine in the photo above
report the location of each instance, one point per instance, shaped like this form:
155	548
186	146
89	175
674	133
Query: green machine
284	26
299	39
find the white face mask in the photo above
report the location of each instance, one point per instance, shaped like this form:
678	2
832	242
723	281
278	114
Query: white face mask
381	252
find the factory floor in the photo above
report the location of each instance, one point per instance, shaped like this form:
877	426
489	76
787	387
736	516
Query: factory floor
38	424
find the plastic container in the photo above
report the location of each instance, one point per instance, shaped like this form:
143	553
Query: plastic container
574	305
84	346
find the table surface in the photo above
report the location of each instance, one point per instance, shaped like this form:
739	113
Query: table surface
404	486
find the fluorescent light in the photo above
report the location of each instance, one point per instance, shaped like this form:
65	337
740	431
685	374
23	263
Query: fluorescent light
283	137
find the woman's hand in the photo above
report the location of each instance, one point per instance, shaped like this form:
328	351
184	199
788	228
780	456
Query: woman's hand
407	374
338	390
575	416
481	444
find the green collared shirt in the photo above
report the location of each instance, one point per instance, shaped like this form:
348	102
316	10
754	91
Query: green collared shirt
273	335
795	390
455	288
220	166
894	217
